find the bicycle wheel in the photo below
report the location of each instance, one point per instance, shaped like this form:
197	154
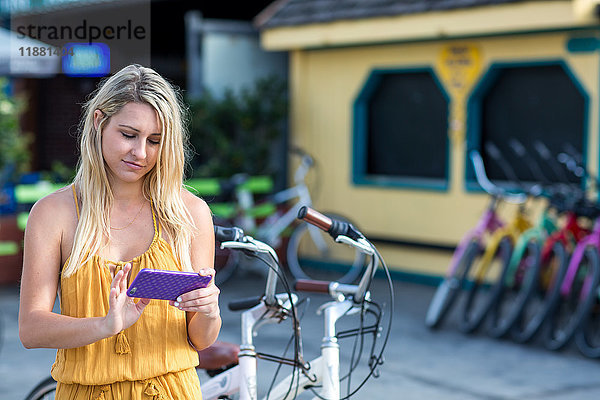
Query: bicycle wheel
312	254
514	292
480	285
571	308
45	390
587	337
226	261
447	292
543	294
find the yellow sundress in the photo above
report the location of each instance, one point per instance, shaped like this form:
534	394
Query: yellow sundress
152	359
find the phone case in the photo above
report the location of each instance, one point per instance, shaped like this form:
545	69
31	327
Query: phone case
165	285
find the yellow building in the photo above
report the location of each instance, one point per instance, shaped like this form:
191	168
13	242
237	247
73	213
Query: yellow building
390	97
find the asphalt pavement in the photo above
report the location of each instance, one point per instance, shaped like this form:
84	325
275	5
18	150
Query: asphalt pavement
419	363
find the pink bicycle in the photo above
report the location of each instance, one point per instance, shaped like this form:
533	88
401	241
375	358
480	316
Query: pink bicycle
471	246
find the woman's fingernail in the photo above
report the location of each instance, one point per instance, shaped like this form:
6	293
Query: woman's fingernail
176	304
179	300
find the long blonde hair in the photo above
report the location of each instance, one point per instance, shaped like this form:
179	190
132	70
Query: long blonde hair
163	184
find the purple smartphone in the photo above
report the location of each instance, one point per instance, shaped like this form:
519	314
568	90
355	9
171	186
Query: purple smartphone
165	285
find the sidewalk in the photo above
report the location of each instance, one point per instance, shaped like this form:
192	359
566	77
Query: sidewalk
420	364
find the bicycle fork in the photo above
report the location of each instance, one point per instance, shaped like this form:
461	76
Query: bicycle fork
251	321
330	349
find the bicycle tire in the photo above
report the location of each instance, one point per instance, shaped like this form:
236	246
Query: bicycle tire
480	296
303	259
44	390
508	305
543	293
587	336
568	312
226	261
448	290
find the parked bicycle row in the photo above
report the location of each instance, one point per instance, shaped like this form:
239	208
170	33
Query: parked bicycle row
527	279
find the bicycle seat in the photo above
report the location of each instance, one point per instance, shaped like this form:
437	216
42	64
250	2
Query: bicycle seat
218	357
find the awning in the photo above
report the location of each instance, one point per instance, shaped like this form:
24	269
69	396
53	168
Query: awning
17	57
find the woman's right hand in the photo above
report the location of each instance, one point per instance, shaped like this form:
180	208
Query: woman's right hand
123	311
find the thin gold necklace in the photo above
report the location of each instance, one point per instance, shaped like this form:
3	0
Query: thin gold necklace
131	222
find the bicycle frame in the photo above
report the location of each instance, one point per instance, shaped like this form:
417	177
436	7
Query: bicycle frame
568	235
591	240
322	370
518	224
230	381
488	223
544	227
326	368
270	309
271	228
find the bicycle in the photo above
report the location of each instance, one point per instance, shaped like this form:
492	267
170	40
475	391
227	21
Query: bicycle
517	284
588	334
322	373
486	291
549	249
307	248
470	246
579	289
515	287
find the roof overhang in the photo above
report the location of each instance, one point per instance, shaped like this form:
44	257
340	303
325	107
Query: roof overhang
490	20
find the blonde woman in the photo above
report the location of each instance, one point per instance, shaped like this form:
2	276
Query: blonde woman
126	210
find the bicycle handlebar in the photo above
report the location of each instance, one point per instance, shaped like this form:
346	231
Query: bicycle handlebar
488	186
546	155
309	285
333	227
223	234
496	154
342	232
307	157
535	169
333	288
234	238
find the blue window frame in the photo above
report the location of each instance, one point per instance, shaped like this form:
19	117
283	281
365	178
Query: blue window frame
540	102
401	130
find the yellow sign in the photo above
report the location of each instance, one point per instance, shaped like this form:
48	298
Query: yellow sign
459	66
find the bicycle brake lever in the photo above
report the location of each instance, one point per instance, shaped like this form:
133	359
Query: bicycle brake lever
359	244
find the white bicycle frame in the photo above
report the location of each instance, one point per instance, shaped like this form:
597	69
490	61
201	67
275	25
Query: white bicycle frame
323	370
271	229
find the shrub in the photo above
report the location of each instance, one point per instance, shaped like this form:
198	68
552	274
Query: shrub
235	133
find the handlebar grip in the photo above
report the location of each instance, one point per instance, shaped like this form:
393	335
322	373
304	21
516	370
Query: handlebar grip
244	304
309	285
316	218
223	234
334	227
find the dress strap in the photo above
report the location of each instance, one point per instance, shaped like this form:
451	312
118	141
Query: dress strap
75	198
156	227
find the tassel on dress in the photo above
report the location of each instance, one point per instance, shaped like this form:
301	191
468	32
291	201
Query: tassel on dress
103	389
122	346
151	390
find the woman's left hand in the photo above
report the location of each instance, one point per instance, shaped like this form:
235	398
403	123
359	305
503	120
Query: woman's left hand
203	301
